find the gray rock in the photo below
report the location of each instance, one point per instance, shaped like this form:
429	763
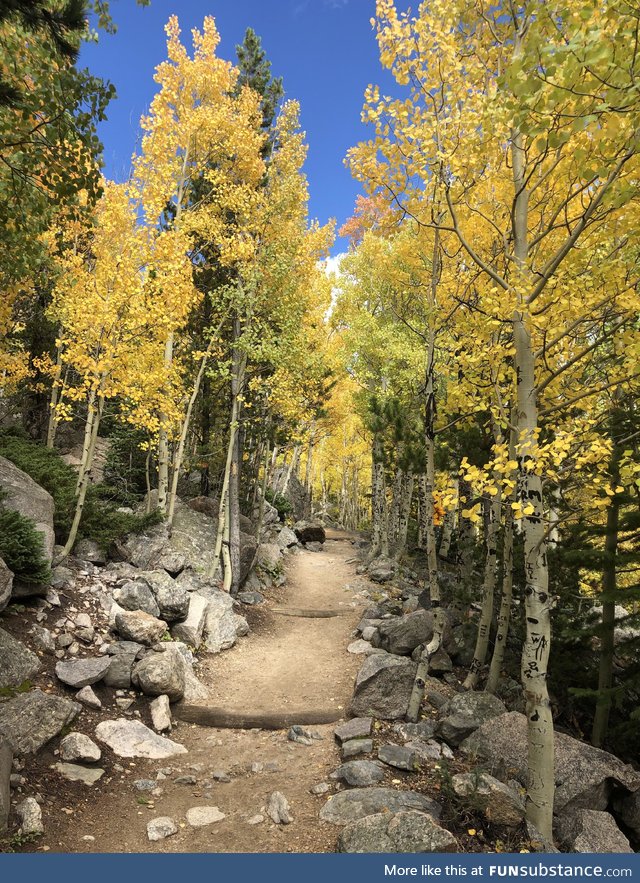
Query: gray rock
348	806
182	659
88	698
118	674
61	577
220	625
382	570
31	719
309	532
140	627
402	634
30	816
42	639
242	626
136	595
361	648
251	598
356	728
537	842
586	777
463	714
269	513
22	494
383	687
157	674
191	629
128	738
145	784
402	758
89	550
6	760
6	584
255	820
145	549
586	830
499	804
76	747
248	549
199	816
79	673
268	557
422	730
86	635
17	663
173	562
302	736
403	832
321	788
314	547
278	809
430	750
287	538
161	714
360	773
440	662
221	776
354	747
161	828
455	728
185	780
171	597
368	632
627	810
75	773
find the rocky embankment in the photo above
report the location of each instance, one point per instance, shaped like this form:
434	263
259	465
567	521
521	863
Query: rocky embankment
463	767
101	655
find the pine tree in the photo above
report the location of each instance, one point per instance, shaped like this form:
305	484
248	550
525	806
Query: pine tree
255	72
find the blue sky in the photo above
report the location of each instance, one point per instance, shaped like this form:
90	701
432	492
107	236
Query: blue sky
325	50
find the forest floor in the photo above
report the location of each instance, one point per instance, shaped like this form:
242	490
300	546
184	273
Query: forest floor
286	664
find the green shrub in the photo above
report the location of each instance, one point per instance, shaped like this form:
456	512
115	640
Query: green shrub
100	519
22	547
282	504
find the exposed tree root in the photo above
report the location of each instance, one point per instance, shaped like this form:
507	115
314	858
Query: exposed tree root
311	613
218	717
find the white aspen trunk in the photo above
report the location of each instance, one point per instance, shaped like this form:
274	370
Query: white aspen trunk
56	394
272	466
488	590
554	518
265	476
163	439
535	654
433	586
447	531
378	502
466	535
405	513
226	553
396	503
147	479
84	484
423	525
293	466
504	613
224	494
237	389
88	434
177	466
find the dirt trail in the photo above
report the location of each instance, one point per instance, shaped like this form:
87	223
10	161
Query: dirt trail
289	663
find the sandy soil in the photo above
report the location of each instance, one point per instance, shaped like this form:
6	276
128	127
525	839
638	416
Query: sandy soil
287	663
